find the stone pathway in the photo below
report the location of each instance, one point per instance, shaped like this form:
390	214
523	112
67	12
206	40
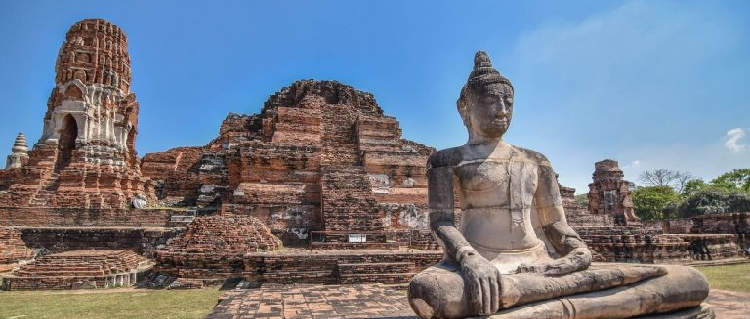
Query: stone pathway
314	301
729	304
375	301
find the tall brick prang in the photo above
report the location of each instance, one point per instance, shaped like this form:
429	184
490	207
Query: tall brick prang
86	155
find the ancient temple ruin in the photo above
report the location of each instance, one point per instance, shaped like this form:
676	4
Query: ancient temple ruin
609	194
86	155
614	233
320	160
320	170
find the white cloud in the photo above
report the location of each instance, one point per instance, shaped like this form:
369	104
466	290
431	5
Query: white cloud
734	136
635	163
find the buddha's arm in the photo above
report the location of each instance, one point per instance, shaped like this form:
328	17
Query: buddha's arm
440	196
481	277
576	256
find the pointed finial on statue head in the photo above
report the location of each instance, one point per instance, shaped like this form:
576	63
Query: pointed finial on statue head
482	60
484	73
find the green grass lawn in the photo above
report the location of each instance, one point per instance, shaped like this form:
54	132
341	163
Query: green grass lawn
109	304
730	277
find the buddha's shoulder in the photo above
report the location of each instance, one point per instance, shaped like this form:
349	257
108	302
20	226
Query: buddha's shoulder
531	156
448	157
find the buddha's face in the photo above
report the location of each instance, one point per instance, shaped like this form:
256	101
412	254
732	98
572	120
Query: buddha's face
491	110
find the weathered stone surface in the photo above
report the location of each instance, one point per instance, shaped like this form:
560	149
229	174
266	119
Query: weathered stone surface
514	246
79	269
86	155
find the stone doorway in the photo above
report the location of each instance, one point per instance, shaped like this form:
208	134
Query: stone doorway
67	142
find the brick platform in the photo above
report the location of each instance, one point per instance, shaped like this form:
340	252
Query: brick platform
314	301
77	269
377	301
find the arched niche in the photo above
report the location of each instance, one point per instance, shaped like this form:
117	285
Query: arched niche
67	142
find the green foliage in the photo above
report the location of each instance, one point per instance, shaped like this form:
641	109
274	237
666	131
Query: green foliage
714	200
694	186
653	202
738	180
728	193
582	199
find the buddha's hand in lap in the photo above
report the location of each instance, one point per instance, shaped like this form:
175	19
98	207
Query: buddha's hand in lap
577	259
483	281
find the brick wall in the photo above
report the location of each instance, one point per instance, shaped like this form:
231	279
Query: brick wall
49	217
59	239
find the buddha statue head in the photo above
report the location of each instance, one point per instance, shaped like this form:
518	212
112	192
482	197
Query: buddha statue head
486	102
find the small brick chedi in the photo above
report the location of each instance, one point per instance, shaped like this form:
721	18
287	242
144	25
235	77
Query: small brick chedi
320	156
609	194
86	154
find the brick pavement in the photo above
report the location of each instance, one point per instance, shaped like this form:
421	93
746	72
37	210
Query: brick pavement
375	301
729	304
314	301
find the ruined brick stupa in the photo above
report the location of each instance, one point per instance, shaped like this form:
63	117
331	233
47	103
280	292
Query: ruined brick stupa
320	156
609	194
85	157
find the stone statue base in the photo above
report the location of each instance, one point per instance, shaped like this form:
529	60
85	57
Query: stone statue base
604	291
690	313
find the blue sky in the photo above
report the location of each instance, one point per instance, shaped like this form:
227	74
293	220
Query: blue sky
652	84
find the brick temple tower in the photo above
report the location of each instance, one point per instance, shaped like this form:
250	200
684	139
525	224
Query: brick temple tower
86	154
610	194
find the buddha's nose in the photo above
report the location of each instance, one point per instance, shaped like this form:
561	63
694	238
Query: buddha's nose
502	109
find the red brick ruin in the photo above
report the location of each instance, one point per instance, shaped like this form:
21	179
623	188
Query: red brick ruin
320	160
609	194
86	155
321	171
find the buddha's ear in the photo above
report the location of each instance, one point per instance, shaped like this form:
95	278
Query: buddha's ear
463	105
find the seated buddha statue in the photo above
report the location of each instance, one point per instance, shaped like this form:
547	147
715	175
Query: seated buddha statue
514	254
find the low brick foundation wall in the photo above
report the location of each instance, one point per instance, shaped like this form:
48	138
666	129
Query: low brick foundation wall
57	239
299	266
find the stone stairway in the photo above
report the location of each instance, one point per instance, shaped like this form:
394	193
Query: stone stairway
348	202
47	189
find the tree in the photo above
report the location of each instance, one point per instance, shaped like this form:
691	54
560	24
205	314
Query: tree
666	177
583	200
714	200
737	180
694	186
652	202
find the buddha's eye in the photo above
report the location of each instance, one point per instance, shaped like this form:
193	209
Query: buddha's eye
489	100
